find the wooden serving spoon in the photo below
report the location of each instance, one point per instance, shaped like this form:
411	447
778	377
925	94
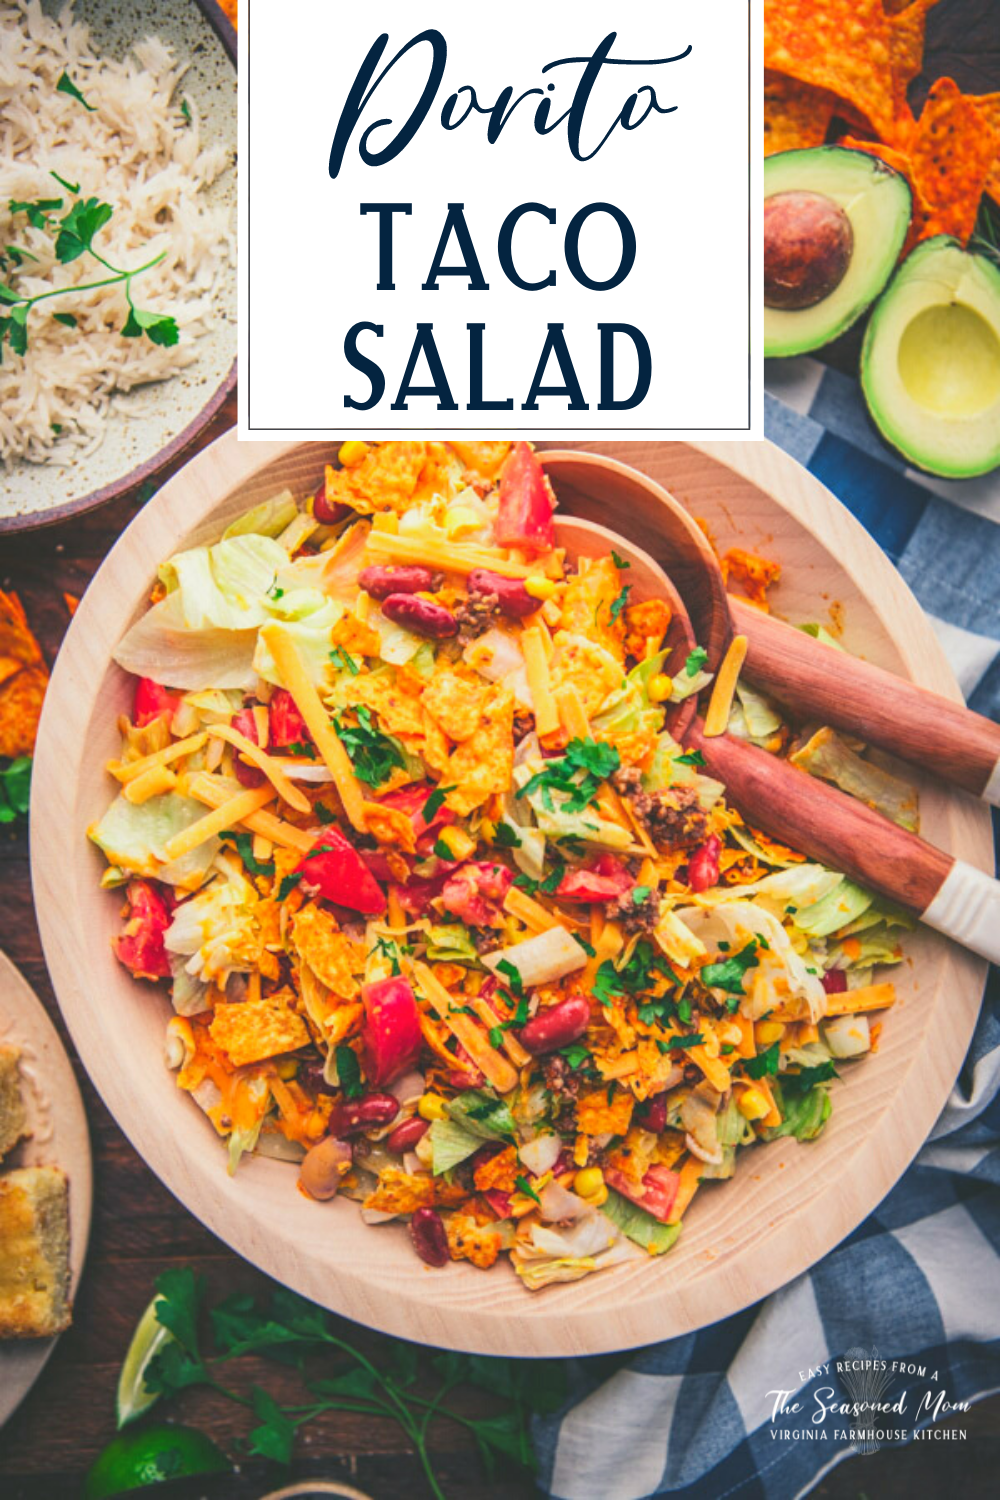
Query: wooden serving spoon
941	737
796	808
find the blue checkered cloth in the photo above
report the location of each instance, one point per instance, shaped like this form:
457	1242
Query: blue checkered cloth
919	1279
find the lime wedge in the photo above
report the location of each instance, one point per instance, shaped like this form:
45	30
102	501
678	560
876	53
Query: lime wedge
150	1456
134	1397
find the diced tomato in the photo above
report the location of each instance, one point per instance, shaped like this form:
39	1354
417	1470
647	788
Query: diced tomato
286	724
377	861
499	1202
139	946
152	700
391	1037
659	1189
526	503
466	1075
412	800
416	895
246	724
703	866
835	983
603	879
335	869
476	891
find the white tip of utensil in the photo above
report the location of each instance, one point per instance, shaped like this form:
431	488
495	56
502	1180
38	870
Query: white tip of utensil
967	908
991	791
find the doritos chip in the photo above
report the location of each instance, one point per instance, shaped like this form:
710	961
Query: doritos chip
838	45
907	27
255	1029
23	679
796	115
989	107
953	152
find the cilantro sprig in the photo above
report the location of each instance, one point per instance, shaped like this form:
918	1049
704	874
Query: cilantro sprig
373	754
15	789
577	775
244	848
730	973
389	1379
75	232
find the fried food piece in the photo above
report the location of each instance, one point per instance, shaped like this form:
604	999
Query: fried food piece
468	1240
252	1030
13	1119
34	1253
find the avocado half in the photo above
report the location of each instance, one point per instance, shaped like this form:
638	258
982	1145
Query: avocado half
834	224
930	367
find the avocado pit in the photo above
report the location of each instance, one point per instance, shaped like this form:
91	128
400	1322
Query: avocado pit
808	243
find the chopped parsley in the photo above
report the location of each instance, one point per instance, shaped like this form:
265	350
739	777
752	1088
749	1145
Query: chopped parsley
348	1071
763	1064
373	754
640	893
526	883
806	1078
15	789
619	562
730	973
588	948
442	851
244	848
323	813
693	1039
288	884
620	602
575	1054
505	837
301	748
692	758
513	978
435	802
577	775
344	661
67	86
695	662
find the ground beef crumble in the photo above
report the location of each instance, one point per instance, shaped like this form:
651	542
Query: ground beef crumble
634	916
476	614
673	818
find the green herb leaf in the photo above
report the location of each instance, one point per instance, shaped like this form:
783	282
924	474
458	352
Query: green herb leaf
68	320
158	327
178	1304
323	813
67	86
764	1064
512	976
373	755
693	1039
38	211
344	661
349	1071
442	850
619	562
577	775
696	661
640	893
505	837
275	1436
244	847
71	187
692	758
78	227
729	974
288	884
186	110
435	802
524	1186
619	604
575	1054
15	789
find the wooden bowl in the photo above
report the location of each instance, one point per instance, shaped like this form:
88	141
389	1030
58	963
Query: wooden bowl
170	414
789	1204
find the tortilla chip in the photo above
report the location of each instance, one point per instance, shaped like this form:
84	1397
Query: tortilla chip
385	479
907	28
398	712
989	107
796	115
484	763
838	45
331	956
455	703
954	150
595	1116
390	825
255	1029
20	709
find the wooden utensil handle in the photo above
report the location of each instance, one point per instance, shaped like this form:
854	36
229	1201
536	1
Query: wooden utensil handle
845	835
942	737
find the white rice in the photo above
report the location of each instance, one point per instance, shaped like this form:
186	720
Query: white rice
138	153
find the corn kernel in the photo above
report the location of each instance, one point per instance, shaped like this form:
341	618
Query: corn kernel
286	1068
316	1125
431	1107
461	843
660	688
351	454
766	1033
459	520
753	1104
589	1181
539	588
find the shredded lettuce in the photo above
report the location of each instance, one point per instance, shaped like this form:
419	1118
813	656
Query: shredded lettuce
804	1112
132	836
820	633
310	630
638	1225
451	943
269	518
450	1144
843	904
224	586
829	757
162	646
481	1113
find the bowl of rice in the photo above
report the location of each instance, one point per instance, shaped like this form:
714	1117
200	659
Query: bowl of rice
117	244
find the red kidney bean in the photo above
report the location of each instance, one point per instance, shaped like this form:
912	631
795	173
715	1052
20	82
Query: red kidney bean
428	1235
310	1077
703	866
652	1115
325	513
246	775
835	983
421	616
406	1136
557	1027
352	1115
513	598
381	582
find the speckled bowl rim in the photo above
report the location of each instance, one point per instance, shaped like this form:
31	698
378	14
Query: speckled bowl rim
33	521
